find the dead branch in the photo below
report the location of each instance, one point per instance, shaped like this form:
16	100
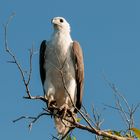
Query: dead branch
16	62
75	125
34	119
127	114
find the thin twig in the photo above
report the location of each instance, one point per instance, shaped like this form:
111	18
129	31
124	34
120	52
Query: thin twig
35	119
97	118
30	60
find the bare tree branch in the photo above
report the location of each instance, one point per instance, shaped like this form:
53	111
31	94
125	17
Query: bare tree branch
16	62
77	125
126	111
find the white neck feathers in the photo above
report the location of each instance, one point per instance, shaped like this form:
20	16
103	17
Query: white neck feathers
61	39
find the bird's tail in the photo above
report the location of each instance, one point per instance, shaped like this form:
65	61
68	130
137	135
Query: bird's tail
63	126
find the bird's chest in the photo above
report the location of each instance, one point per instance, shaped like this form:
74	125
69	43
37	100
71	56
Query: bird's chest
62	52
58	54
59	59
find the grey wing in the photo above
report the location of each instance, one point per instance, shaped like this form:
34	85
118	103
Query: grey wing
79	72
42	61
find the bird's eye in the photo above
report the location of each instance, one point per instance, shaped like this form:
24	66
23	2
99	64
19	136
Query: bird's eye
61	20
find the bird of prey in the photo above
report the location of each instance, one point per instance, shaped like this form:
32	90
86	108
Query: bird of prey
62	71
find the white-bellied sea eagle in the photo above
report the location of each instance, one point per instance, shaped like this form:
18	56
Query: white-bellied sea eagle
63	54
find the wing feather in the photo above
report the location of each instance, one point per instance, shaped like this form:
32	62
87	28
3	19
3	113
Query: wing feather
42	61
79	70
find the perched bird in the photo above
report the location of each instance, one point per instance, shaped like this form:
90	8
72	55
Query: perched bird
62	71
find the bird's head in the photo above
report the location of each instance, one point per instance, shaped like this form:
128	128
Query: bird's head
60	24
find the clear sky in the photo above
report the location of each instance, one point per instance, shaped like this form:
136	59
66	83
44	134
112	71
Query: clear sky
109	33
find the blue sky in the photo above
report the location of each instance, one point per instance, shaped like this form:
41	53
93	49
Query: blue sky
109	33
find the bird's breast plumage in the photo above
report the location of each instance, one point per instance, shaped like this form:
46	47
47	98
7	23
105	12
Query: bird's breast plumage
58	60
59	57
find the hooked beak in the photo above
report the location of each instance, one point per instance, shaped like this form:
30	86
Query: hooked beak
53	21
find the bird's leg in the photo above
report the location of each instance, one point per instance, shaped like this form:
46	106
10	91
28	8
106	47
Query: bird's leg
51	101
64	108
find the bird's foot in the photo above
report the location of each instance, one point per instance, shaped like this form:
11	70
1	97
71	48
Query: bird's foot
51	104
72	115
